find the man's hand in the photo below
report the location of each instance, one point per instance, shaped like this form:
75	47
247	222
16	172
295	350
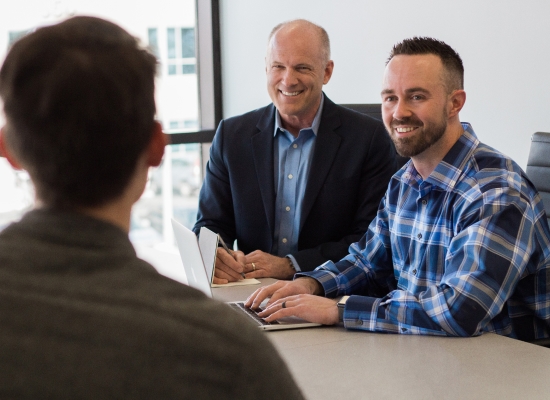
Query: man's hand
282	289
259	264
229	267
306	306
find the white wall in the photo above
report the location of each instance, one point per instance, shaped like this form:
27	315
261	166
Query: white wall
505	46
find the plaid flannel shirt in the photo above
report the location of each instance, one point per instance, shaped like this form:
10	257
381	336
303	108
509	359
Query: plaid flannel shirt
463	252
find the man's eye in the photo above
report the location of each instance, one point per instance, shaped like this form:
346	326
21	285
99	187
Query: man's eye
417	97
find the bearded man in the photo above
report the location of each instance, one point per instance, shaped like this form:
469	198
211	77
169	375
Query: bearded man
460	244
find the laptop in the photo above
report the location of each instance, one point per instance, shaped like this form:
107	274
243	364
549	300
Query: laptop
199	258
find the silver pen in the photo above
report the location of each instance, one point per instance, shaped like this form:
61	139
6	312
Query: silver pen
228	251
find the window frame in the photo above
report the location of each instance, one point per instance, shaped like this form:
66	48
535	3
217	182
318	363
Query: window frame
208	45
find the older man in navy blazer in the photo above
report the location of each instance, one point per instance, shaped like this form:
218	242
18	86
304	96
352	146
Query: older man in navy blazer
296	182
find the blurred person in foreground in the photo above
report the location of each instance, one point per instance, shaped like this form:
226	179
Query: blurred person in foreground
81	315
460	245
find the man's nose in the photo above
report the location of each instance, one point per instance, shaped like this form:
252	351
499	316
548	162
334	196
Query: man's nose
290	77
401	110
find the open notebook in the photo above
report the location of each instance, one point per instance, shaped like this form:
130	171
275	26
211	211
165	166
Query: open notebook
198	263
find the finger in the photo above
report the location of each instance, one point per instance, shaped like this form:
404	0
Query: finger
223	272
255	253
251	265
264	293
220	281
258	273
251	298
277	311
227	273
256	256
239	257
292	308
276	306
260	297
227	259
280	313
279	294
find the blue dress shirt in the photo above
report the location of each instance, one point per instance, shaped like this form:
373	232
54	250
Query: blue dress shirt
292	160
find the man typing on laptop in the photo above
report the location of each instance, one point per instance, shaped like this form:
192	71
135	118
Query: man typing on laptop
460	244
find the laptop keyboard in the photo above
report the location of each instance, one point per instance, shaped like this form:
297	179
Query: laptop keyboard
251	313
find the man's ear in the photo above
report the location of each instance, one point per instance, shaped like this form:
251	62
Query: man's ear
4	151
156	146
328	71
457	100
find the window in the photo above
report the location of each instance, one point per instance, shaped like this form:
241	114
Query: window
187	42
171	41
181	51
169	28
153	41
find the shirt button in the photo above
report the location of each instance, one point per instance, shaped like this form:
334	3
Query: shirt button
414	271
295	145
360	322
284	240
424	202
419	236
403	330
287	208
290	176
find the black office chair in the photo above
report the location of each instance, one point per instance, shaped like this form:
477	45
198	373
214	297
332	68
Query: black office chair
538	167
375	111
538	171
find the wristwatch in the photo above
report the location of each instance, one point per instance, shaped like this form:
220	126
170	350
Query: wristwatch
341	306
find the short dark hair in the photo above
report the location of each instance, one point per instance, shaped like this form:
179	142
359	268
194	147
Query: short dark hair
426	45
79	105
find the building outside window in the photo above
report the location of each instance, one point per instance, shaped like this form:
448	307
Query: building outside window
167	27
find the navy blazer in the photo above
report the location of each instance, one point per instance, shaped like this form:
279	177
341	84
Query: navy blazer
352	163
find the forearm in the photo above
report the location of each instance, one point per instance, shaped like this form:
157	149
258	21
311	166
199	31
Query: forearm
374	315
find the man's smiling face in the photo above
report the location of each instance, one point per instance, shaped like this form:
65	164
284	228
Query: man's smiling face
296	72
414	102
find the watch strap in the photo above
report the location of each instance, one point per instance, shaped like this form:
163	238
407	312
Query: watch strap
341	307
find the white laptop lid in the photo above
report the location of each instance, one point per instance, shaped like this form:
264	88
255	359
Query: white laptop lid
196	265
191	258
208	244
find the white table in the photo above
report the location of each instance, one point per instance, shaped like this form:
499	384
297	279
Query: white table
335	363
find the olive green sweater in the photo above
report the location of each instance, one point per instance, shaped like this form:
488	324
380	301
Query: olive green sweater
82	317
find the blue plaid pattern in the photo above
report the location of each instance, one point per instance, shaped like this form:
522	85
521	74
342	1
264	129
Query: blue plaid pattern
463	252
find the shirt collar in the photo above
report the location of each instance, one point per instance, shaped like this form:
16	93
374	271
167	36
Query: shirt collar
314	126
447	173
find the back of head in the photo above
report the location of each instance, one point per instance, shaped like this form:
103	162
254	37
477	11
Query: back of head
449	57
79	104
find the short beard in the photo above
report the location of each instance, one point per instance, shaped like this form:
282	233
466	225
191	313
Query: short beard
412	146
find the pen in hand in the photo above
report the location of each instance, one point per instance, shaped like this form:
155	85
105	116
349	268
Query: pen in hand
228	251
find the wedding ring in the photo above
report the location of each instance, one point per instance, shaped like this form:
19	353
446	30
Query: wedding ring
253	267
284	304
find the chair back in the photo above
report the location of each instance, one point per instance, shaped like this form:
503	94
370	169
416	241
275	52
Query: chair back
538	167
